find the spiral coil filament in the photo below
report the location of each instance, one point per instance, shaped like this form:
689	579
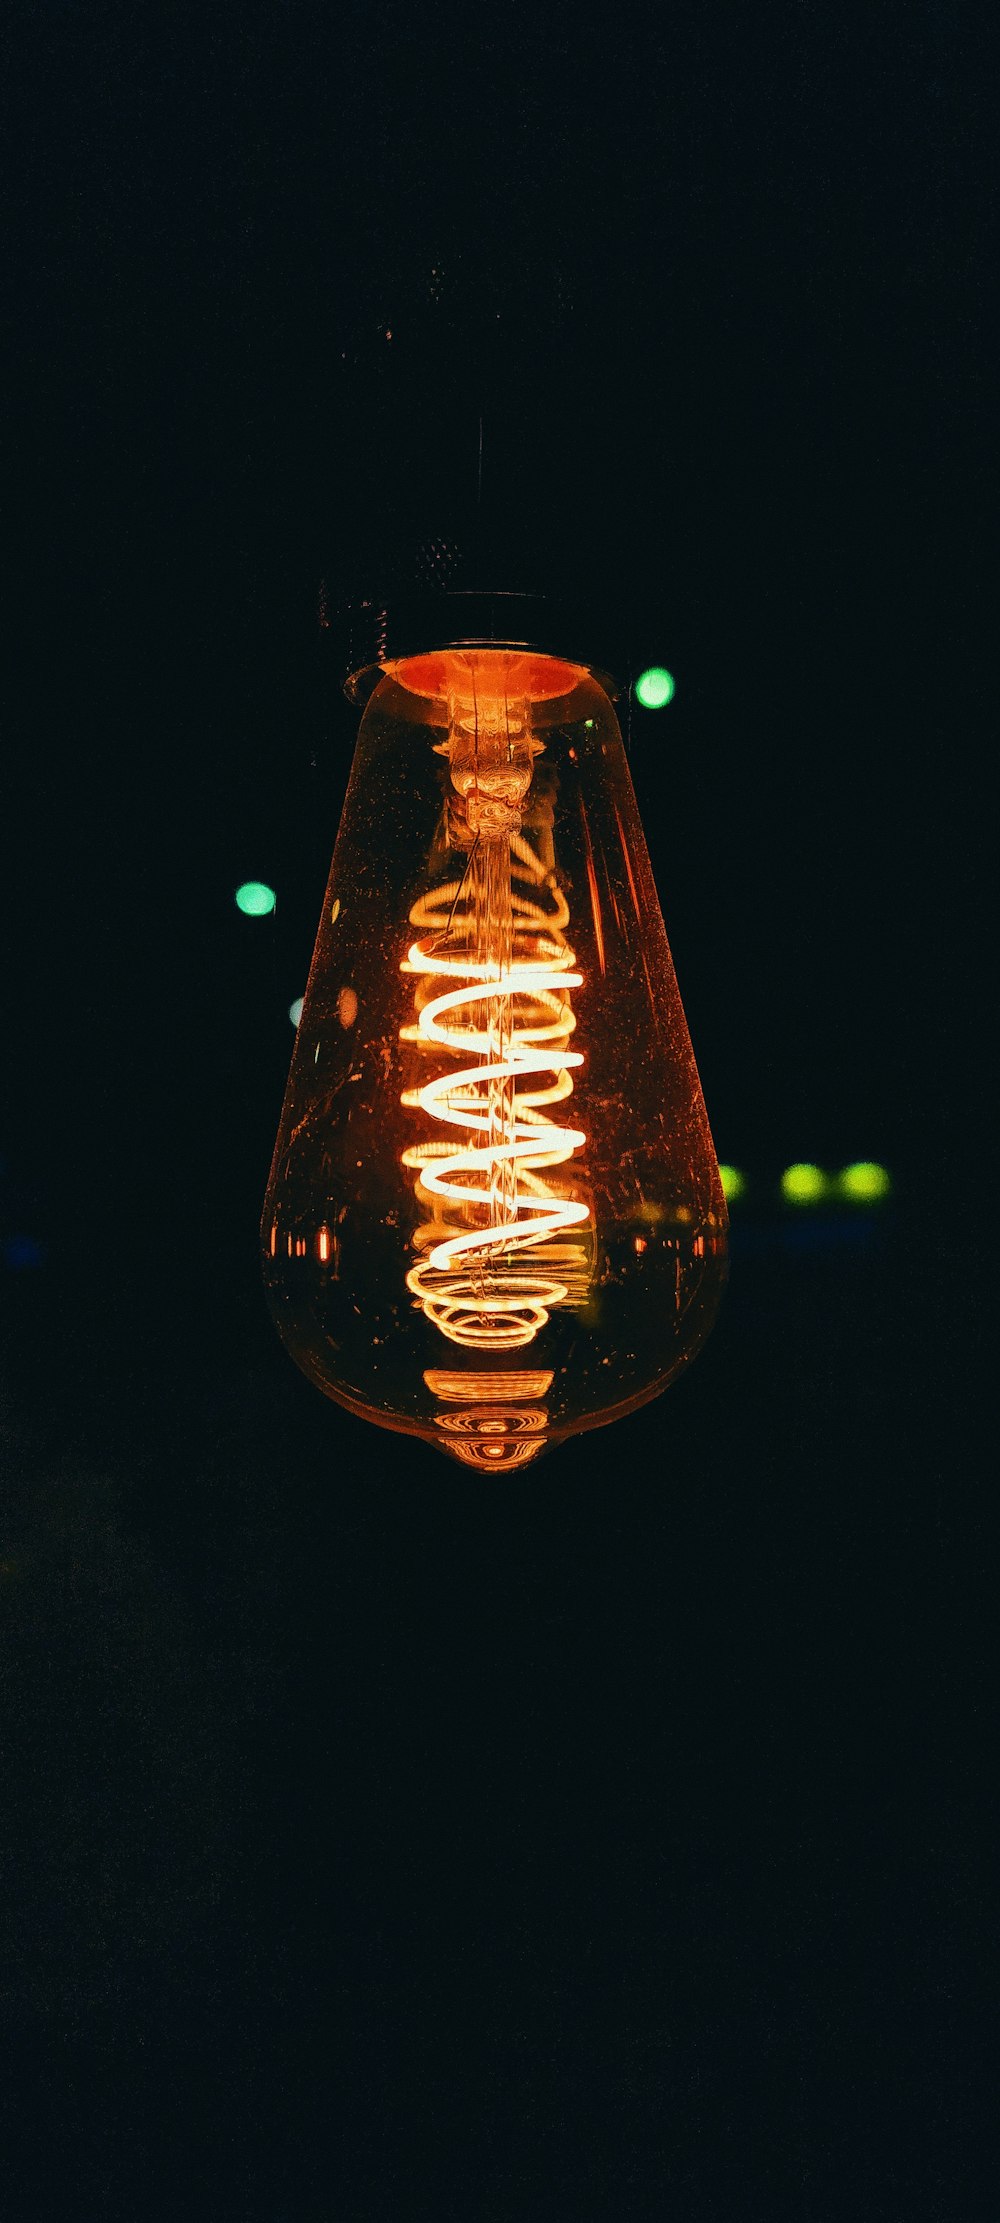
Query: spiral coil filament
494	1216
494	972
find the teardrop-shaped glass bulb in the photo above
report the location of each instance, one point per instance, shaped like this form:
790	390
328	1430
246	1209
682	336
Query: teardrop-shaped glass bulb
494	1216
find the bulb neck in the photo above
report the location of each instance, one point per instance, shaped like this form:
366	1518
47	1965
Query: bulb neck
368	635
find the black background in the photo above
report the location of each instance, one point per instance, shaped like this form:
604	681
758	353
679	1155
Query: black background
610	1841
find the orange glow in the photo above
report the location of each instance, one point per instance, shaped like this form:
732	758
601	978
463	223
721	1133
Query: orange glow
323	1245
494	970
514	674
505	1451
628	863
475	1388
505	1436
494	1423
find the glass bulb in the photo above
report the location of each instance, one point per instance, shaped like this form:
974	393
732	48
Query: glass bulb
494	1216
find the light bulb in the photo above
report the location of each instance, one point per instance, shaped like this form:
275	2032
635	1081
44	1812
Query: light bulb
494	1217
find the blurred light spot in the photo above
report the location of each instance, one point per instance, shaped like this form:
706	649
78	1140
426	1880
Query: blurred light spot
654	688
865	1182
295	1010
803	1184
23	1251
335	911
255	899
733	1183
347	1007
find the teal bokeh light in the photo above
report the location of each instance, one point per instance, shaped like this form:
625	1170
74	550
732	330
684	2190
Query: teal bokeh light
255	899
654	688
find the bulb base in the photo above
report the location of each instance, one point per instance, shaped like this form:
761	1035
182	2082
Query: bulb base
367	635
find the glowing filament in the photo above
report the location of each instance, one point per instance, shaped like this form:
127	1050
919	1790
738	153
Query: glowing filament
493	990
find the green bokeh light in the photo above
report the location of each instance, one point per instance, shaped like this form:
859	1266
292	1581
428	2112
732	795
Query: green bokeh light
654	688
255	899
295	1010
865	1182
733	1183
803	1184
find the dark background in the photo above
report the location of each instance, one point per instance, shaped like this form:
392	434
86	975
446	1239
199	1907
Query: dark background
614	1840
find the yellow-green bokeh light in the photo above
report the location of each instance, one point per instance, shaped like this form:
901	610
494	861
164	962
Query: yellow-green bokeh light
865	1182
255	899
803	1184
733	1183
654	688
